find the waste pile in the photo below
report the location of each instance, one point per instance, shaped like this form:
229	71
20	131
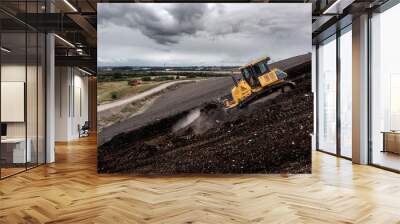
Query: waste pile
271	136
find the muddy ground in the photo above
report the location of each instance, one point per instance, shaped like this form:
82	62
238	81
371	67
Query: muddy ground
270	136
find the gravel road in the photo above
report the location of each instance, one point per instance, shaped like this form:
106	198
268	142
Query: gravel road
138	96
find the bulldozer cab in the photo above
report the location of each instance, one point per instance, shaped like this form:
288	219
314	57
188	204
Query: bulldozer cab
261	68
249	77
252	71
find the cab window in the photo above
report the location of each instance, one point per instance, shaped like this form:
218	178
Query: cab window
257	70
263	67
246	73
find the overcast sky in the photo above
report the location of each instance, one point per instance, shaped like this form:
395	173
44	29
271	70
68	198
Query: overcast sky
147	34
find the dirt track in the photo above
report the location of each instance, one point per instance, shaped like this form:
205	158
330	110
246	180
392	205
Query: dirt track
137	97
186	97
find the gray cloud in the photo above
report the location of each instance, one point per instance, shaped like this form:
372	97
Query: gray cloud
154	34
165	26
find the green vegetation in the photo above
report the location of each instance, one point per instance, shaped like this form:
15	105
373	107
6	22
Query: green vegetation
163	78
114	95
113	85
131	109
156	75
110	91
146	79
126	112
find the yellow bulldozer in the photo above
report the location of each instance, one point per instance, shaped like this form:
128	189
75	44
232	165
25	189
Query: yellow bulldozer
257	80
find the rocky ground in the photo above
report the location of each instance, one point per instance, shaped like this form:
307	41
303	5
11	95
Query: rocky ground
271	136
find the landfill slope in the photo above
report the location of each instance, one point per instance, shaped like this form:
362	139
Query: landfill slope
189	96
271	136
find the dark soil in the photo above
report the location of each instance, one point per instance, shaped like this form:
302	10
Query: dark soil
193	95
266	137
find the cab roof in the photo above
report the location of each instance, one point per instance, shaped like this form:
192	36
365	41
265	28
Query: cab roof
252	63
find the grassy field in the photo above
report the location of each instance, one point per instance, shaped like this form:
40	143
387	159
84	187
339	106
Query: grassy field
110	91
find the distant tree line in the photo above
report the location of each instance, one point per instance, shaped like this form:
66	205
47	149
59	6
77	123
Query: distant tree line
155	76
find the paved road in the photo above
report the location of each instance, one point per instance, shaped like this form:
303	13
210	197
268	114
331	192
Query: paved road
186	97
138	96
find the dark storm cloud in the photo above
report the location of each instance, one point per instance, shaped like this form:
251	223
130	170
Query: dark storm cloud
152	34
165	26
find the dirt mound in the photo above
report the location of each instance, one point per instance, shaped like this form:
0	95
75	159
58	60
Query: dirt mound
268	137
